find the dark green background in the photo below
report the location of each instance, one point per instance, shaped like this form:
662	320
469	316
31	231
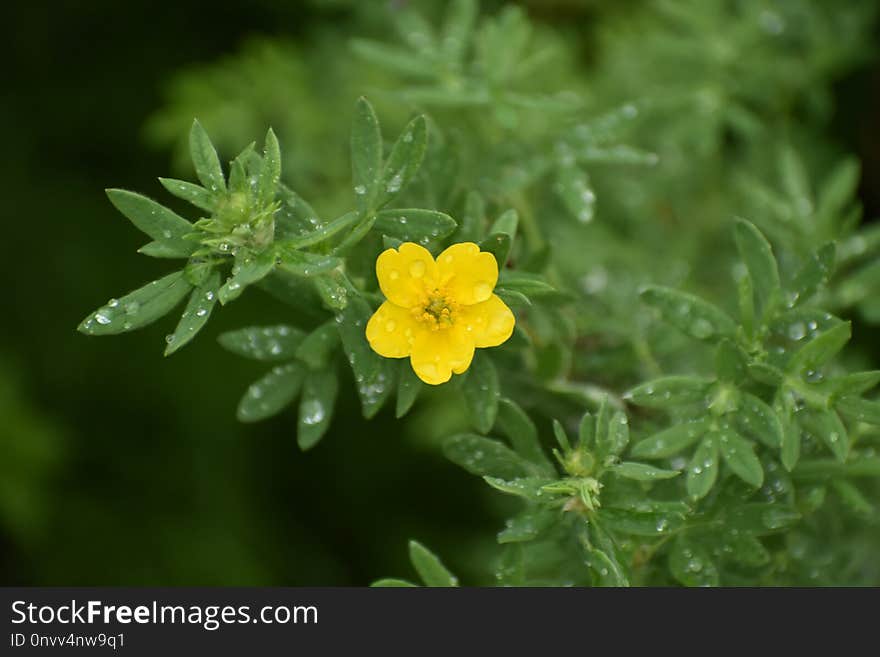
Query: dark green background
120	467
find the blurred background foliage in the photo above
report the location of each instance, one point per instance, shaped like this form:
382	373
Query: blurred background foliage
120	467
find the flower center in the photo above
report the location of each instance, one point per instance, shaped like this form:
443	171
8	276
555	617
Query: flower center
436	310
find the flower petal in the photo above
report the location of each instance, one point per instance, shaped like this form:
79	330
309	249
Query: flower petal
490	322
437	354
392	330
468	273
404	272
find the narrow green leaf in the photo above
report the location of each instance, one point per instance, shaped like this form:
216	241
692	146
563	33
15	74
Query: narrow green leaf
826	426
154	219
755	418
139	308
522	433
758	257
746	549
458	26
692	565
404	161
852	498
484	456
498	245
270	171
766	374
587	432
266	343
670	441
860	410
429	567
702	471
316	406
414	224
366	155
731	363
613	441
791	442
205	160
853	384
373	374
271	394
690	314
607	572
526	526
398	60
164	250
321	234
390	582
669	391
471	227
318	347
198	310
814	274
641	471
740	457
481	392
194	194
561	436
238	175
531	285
408	388
574	188
245	272
303	263
529	488
640	523
506	223
820	349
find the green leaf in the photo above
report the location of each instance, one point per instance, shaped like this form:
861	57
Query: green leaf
318	347
404	161
470	229
574	188
607	572
194	194
757	419
414	224
690	314
316	406
164	250
155	220
587	432
641	471
399	60
303	263
561	436
731	363
746	549
270	394
669	392
429	567
615	439
692	565
458	26
484	456
139	308
266	343
820	349
366	155
247	271
671	441
481	392
334	288
525	487
321	234
408	387
860	410
642	523
814	274
826	426
791	442
498	245
766	374
205	160
390	582
506	224
526	526
373	374
238	175
853	384
196	315
531	285
755	251
740	457
702	470
852	498
270	170
522	433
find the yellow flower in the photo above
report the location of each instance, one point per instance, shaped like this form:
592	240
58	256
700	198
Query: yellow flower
439	310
